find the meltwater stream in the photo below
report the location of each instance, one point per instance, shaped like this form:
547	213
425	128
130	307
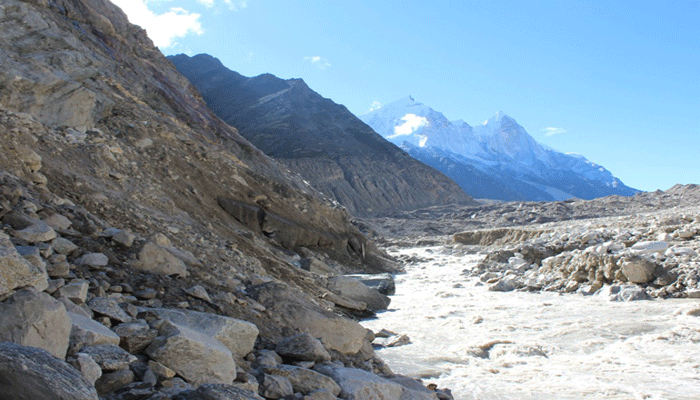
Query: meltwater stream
520	345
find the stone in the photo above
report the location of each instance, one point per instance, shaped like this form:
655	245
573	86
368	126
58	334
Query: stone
94	260
394	341
217	392
624	293
16	272
316	266
135	336
36	233
112	381
275	387
198	292
383	283
506	284
108	307
299	313
54	285
76	291
63	246
357	384
155	259
344	302
648	247
87	367
304	381
353	289
88	332
124	238
237	335
638	270
266	359
58	222
109	357
32	373
303	347
59	270
196	357
321	394
161	370
35	319
146	294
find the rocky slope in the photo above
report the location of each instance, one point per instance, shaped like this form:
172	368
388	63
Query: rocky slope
494	160
321	140
147	249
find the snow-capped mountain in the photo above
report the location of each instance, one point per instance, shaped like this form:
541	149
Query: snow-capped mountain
497	159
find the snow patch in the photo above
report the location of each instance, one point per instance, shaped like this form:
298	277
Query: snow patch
411	123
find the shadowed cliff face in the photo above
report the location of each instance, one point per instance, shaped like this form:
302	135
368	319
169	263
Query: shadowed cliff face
117	129
319	139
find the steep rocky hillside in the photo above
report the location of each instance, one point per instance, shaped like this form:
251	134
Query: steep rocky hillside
148	244
319	139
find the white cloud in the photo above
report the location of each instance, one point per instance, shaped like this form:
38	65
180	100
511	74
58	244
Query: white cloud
375	106
163	29
318	61
551	131
234	5
206	3
411	123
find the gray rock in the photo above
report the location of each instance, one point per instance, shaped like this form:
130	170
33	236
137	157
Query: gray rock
217	392
35	319
88	332
266	359
90	370
124	238
304	381
639	270
112	381
63	246
36	233
383	283
303	347
624	293
109	357
17	272
237	335
355	290
316	266
275	387
198	292
58	222
196	357
135	336
357	384
321	394
161	370
76	291
156	259
109	307
31	373
95	260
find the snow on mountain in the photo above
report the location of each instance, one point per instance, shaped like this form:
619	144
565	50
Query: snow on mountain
499	153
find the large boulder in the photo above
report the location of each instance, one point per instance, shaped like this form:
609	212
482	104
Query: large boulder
158	260
31	373
302	347
353	289
383	283
357	384
299	313
87	332
217	392
16	272
196	357
35	319
638	269
237	335
304	380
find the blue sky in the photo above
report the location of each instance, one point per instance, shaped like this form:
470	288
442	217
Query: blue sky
618	82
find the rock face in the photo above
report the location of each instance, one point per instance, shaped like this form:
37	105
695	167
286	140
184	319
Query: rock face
31	373
332	149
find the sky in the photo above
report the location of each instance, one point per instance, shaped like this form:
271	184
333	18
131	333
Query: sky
615	81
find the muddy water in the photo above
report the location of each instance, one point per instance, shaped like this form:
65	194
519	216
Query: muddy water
519	345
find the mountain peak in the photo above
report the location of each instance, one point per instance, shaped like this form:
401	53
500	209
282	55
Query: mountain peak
499	117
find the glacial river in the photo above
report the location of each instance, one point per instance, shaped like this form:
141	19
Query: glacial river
519	345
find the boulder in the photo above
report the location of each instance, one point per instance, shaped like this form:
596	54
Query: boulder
112	381
32	373
217	392
35	319
304	381
357	384
303	347
237	335
76	291
638	269
196	357
38	232
383	283
63	246
135	336
316	266
649	247
624	293
87	366
353	289
109	307
88	332
275	387
58	222
16	272
199	292
109	357
298	312
94	260
321	394
156	259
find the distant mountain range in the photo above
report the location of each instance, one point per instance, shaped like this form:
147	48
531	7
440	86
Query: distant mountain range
496	160
322	141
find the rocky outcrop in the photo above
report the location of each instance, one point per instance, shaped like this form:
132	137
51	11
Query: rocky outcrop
322	141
